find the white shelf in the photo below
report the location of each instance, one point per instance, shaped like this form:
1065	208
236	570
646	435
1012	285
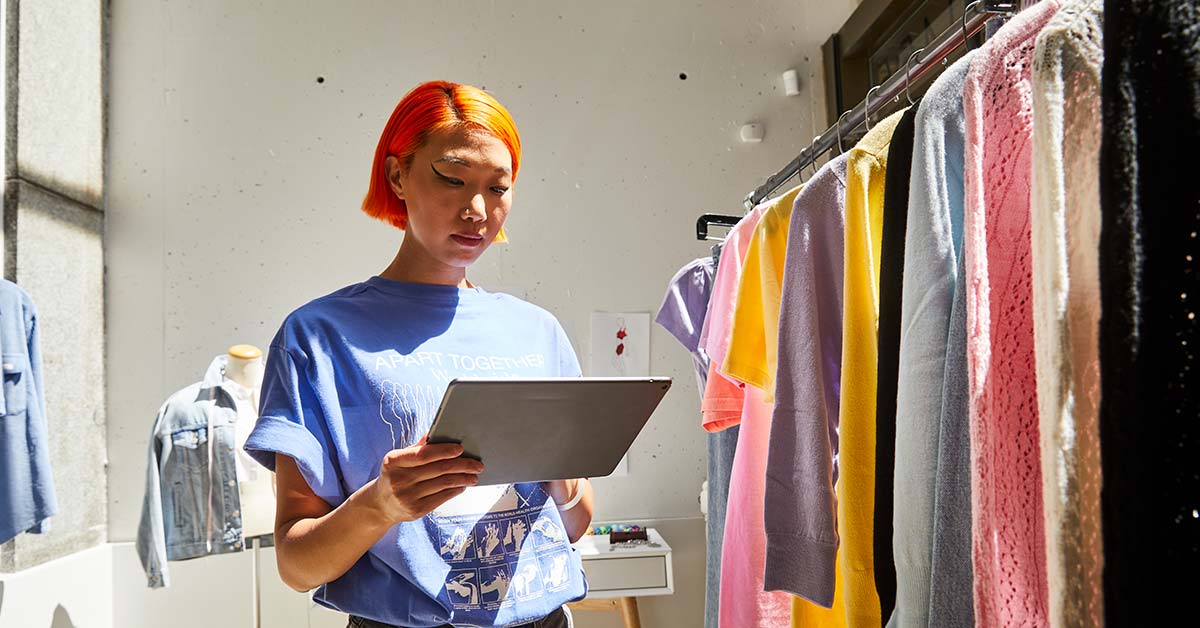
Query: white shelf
627	570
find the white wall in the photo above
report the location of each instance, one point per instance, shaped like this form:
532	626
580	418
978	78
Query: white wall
75	591
234	177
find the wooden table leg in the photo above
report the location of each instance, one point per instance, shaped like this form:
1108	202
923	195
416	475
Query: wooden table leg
629	612
589	604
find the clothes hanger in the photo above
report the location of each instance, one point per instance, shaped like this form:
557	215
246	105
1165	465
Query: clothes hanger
839	132
907	70
703	222
867	107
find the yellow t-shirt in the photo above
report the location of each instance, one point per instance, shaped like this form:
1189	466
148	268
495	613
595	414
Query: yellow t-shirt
754	334
865	172
754	348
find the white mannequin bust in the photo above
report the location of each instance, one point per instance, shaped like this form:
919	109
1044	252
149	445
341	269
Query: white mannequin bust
245	366
256	485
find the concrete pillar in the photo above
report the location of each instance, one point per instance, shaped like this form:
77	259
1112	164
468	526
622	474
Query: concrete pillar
54	247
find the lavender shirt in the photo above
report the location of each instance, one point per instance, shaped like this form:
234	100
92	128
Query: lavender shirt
800	517
684	308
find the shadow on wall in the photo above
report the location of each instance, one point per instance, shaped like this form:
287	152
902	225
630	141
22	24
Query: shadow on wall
1	596
62	619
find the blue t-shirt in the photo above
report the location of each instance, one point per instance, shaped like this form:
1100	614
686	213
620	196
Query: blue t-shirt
362	371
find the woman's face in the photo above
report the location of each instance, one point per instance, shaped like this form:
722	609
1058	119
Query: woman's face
458	189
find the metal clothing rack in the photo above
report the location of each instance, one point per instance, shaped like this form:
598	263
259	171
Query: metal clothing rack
974	18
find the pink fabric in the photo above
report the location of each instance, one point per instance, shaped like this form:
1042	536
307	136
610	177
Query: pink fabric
744	604
723	397
1009	553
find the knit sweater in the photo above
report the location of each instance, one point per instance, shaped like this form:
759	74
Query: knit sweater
865	172
933	236
1150	327
891	273
1008	530
1065	225
952	578
752	359
801	470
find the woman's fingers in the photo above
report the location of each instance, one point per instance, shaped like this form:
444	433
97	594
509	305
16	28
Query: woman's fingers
429	503
421	490
443	467
418	455
422	477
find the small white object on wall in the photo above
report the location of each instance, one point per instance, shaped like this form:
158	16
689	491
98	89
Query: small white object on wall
791	83
752	133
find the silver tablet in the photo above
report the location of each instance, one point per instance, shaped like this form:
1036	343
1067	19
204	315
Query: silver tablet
530	430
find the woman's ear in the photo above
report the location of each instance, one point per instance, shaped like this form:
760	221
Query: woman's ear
394	171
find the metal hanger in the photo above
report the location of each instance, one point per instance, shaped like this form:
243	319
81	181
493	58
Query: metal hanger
839	132
907	70
867	107
966	10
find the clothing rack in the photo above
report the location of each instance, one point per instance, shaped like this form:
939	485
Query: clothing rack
974	18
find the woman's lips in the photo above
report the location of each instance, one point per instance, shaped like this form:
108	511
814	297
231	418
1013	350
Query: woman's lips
467	240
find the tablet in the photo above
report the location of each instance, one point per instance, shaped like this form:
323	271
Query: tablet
530	430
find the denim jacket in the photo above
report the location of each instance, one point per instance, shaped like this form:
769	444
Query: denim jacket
191	506
27	498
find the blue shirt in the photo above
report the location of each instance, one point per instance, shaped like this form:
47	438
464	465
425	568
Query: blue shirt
27	498
362	371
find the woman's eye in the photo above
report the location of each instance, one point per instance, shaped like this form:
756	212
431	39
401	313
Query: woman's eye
452	181
499	190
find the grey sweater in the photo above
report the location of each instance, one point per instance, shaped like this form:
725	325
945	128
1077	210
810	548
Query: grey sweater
931	429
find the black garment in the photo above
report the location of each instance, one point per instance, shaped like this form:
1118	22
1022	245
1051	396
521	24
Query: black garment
560	618
891	274
1150	305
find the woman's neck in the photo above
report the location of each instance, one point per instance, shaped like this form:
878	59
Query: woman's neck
416	266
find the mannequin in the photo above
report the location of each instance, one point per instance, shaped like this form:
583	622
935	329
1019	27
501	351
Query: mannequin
256	485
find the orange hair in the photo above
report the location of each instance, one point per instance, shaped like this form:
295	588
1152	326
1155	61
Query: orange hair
429	108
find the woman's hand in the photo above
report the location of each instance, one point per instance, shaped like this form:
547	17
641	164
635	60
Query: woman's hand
416	480
316	543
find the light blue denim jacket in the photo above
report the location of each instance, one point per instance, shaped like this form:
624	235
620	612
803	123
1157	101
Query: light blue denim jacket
26	487
192	506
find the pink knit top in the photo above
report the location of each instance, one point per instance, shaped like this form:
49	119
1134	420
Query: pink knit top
1009	555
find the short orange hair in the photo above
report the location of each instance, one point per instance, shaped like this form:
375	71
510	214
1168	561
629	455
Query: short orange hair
428	108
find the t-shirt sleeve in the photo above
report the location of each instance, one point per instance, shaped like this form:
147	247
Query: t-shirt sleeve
746	360
673	315
568	362
290	422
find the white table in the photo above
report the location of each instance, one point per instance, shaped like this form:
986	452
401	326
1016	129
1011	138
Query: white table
619	573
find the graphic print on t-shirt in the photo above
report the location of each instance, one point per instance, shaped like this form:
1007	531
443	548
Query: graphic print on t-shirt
503	544
517	553
401	407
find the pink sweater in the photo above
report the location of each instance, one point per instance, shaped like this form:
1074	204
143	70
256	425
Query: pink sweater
1009	555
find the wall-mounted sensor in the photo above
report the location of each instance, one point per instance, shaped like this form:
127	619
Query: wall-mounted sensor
791	83
752	133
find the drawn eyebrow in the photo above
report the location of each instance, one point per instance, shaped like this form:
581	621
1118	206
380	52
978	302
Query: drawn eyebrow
454	160
463	162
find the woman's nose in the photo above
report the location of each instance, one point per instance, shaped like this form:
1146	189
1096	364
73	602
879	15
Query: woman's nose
477	209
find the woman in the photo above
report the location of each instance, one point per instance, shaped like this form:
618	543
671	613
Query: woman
391	529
